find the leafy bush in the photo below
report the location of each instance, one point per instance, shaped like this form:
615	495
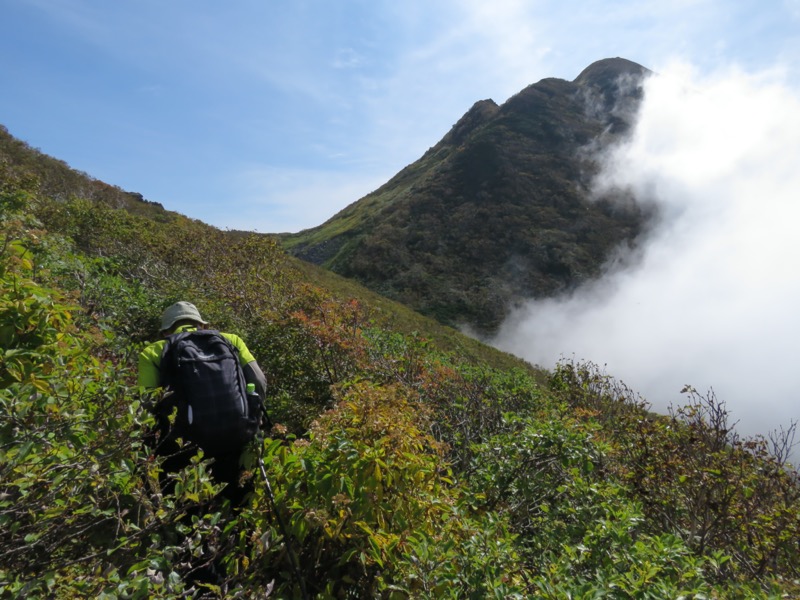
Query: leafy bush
695	477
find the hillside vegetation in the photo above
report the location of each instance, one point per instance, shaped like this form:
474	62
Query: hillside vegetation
405	463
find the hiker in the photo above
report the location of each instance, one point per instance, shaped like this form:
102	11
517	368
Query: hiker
200	377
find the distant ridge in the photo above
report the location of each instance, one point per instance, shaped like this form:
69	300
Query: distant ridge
498	210
57	179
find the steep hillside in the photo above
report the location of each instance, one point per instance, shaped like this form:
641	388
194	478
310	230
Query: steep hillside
403	465
498	210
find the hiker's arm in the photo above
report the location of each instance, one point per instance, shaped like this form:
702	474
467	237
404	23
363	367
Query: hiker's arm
254	374
150	379
149	373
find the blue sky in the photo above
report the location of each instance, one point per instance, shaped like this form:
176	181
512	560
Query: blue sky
273	116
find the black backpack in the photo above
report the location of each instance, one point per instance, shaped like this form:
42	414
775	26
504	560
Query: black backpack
202	368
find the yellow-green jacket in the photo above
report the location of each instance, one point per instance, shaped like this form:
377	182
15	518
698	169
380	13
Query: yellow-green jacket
150	362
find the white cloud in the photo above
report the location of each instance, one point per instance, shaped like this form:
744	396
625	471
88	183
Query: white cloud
713	302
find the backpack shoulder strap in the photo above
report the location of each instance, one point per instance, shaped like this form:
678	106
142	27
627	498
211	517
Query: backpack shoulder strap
174	338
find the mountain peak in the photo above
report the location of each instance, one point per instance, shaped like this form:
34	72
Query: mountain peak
497	211
612	89
608	70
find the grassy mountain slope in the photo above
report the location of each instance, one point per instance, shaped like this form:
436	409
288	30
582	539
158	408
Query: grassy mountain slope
55	179
498	210
401	469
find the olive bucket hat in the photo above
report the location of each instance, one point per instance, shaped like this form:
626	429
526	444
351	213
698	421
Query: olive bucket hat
179	311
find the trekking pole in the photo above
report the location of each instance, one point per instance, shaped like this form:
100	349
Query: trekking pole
281	524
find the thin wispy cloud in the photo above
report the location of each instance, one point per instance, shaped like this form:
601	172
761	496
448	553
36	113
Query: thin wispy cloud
276	192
